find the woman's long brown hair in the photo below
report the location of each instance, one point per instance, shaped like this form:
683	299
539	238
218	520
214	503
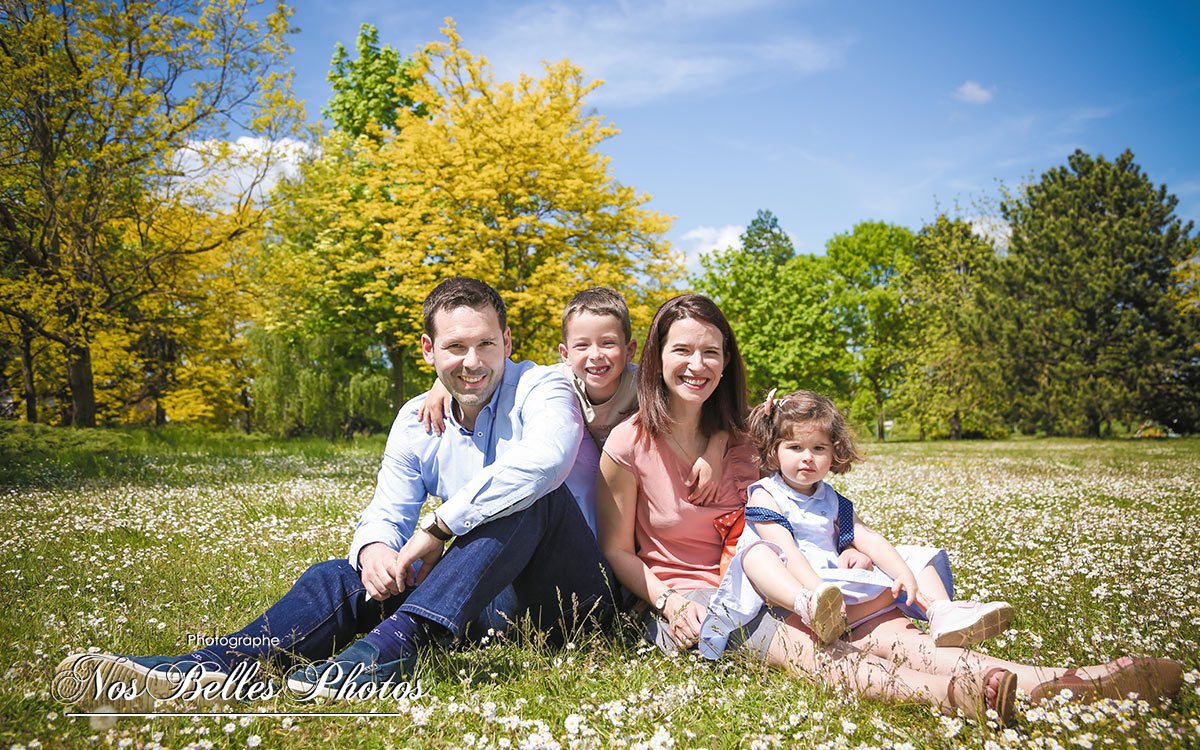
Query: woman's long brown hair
725	408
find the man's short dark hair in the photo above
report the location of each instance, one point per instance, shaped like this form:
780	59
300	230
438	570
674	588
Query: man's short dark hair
599	301
460	291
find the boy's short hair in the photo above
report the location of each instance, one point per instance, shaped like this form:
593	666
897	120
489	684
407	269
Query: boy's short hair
599	300
462	291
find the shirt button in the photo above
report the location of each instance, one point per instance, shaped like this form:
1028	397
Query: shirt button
467	524
479	434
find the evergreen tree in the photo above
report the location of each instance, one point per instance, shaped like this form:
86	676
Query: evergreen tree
1085	305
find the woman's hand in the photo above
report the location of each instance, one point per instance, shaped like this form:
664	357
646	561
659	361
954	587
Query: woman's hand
684	617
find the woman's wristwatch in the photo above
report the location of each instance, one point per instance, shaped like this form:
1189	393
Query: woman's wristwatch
661	601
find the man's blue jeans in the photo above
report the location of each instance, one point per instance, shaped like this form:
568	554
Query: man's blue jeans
543	562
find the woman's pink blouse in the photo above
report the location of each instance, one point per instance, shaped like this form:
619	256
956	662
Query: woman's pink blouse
676	539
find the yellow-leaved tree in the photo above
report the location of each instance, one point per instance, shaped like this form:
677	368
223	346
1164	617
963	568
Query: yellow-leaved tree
502	181
505	182
116	123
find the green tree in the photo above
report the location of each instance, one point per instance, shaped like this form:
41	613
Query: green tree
371	89
1086	302
501	181
868	266
319	258
322	384
778	304
505	181
951	381
115	116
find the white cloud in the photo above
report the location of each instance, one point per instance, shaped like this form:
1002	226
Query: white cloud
228	170
993	229
701	240
644	51
974	93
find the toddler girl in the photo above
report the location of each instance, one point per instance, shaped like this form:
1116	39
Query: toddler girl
796	527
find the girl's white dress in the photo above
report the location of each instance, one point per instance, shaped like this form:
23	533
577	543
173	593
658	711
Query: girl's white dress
812	518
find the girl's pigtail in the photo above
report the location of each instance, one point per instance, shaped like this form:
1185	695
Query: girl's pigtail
763	419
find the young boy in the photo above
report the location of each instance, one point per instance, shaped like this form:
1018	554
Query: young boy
597	353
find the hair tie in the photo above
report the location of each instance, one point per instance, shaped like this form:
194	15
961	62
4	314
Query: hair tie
769	403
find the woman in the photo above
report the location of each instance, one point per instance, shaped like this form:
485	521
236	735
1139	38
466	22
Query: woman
691	386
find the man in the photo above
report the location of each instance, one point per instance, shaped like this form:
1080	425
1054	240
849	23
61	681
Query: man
512	489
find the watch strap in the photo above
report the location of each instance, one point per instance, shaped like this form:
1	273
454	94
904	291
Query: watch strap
431	525
661	601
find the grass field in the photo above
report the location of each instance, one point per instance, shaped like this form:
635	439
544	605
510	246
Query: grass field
127	542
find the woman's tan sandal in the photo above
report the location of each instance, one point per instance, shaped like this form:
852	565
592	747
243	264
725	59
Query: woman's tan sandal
1002	703
1150	678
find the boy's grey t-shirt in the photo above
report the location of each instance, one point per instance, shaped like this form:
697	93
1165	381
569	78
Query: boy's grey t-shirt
602	418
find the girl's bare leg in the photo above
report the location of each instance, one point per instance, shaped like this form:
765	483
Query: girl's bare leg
929	583
778	583
773	579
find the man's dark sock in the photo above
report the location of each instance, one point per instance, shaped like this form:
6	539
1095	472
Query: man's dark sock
398	637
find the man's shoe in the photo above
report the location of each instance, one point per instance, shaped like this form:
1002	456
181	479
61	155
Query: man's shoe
960	624
354	673
109	683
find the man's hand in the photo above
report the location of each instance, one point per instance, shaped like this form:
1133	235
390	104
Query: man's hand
379	572
852	558
424	547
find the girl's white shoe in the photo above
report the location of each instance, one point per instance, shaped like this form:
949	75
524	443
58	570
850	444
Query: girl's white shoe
960	624
821	611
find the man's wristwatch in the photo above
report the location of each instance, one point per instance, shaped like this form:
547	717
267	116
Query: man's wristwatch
429	522
661	601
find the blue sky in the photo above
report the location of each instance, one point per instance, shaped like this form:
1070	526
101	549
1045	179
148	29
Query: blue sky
831	113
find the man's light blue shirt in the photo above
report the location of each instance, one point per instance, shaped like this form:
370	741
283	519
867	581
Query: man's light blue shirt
527	440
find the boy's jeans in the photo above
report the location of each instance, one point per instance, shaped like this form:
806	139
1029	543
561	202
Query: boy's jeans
542	561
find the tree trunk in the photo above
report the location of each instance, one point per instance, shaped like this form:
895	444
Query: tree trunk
27	374
395	354
83	393
244	400
955	426
160	414
879	416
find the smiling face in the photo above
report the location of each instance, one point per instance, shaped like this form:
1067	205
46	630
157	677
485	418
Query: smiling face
805	458
468	350
596	350
693	357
